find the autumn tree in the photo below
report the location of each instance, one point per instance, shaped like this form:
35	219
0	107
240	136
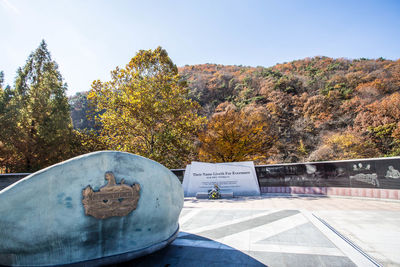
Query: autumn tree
340	146
380	121
86	141
308	98
233	135
37	114
145	110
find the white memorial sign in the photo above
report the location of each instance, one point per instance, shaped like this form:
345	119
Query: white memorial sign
239	177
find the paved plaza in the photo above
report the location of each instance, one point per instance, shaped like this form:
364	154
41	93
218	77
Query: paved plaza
283	231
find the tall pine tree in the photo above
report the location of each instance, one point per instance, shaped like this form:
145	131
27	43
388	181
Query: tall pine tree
8	122
43	128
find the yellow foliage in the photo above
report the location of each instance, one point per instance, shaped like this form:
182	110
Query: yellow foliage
236	136
144	109
302	148
344	146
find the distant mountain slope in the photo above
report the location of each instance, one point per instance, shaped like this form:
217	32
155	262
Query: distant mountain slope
212	84
321	108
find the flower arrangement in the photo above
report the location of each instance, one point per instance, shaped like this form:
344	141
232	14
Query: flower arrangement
214	193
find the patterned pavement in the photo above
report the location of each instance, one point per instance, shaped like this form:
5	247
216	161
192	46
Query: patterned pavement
214	233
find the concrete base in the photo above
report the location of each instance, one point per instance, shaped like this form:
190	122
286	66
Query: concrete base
224	194
202	195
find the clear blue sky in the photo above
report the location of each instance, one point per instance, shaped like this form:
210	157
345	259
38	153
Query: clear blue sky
89	38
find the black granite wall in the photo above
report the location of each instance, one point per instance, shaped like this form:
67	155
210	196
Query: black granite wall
10	178
179	173
370	173
366	173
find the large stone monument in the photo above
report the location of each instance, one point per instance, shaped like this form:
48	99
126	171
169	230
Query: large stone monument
99	208
237	177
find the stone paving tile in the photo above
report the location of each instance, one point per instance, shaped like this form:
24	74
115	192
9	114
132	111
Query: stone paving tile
300	260
242	226
184	212
375	232
302	235
207	217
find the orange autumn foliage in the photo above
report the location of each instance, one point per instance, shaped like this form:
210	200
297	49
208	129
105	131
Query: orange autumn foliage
233	135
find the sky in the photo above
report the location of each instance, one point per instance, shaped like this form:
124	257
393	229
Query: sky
90	38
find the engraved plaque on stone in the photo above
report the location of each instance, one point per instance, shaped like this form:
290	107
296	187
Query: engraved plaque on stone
111	200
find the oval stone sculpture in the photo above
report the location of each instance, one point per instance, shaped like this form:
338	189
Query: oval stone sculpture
99	208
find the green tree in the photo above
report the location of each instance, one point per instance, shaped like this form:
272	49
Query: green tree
146	110
8	155
81	115
39	106
1	79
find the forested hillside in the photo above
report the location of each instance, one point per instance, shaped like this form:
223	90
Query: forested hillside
316	108
305	110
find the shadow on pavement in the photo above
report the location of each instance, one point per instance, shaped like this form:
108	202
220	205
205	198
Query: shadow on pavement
194	250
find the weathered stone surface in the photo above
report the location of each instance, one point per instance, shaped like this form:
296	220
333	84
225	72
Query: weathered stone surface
43	220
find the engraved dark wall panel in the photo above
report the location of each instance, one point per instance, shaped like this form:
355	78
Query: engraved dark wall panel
368	173
179	173
365	173
10	178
